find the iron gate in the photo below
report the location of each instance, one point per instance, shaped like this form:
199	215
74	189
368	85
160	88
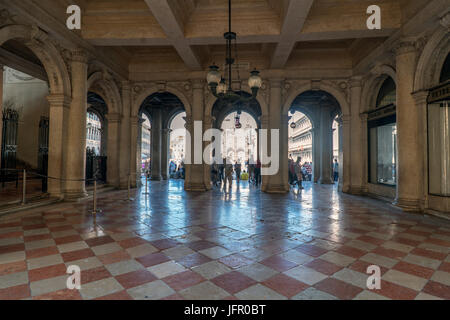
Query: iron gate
95	167
10	127
43	151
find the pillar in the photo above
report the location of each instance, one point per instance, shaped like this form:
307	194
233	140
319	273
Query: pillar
316	153
125	137
275	183
409	138
59	107
113	176
156	143
76	144
356	136
326	138
135	168
195	180
165	145
345	153
1	105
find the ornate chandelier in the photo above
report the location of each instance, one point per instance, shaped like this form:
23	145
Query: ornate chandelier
221	87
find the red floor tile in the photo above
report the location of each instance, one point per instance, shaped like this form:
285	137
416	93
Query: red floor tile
429	254
414	269
153	259
285	285
12	248
164	244
200	245
37	237
68	239
65	294
12	267
395	292
77	255
361	266
371	240
42	252
390	253
233	282
94	274
136	278
437	289
132	242
183	280
311	250
351	252
445	266
338	288
278	263
193	260
114	257
94	242
15	293
47	272
324	267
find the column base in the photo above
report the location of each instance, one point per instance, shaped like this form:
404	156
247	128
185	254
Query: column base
408	205
195	187
276	189
74	195
326	181
156	178
355	190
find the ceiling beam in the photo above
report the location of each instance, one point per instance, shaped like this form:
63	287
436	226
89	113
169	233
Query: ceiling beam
174	29
295	16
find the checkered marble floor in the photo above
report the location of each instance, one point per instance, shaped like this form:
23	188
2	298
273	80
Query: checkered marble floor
242	245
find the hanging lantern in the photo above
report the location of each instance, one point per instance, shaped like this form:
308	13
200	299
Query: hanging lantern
293	125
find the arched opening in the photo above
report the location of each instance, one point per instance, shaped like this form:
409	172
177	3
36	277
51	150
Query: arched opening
314	138
146	143
300	144
239	147
438	118
177	146
382	126
162	110
24	127
96	139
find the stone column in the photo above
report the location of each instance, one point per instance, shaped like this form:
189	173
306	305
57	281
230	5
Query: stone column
326	138
165	145
113	176
1	104
364	151
264	125
409	138
316	153
134	150
284	151
57	151
356	136
125	137
275	183
76	145
195	180
207	124
156	143
345	154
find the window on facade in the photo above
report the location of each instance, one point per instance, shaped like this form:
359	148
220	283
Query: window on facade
439	136
383	137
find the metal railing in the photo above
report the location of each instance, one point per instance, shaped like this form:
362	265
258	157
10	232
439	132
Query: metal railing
26	174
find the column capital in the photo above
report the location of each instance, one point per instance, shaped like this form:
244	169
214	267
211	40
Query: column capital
405	45
355	82
345	118
276	83
79	55
59	100
363	116
126	86
113	117
198	83
421	97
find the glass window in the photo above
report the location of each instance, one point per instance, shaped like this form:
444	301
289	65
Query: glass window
383	154
387	94
439	148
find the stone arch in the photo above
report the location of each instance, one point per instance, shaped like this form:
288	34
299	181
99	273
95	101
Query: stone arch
372	88
173	114
211	100
324	86
307	113
139	100
37	41
110	93
432	59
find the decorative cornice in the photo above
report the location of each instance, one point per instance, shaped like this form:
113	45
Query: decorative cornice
79	55
198	83
59	100
406	45
355	82
445	20
421	97
113	117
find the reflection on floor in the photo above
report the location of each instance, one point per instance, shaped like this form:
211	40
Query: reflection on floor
245	245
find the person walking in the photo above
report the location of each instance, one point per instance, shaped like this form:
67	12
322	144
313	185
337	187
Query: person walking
237	169
298	173
228	174
335	170
258	173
